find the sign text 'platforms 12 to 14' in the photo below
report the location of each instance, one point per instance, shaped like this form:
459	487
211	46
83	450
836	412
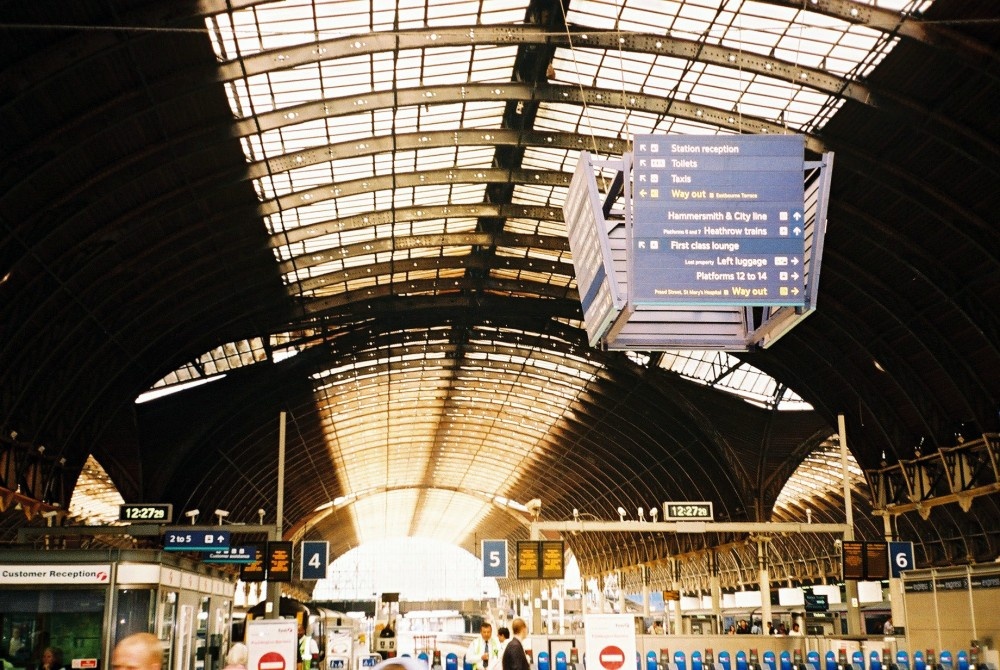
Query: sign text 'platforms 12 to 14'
718	220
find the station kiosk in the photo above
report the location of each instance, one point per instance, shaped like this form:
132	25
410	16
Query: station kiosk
82	602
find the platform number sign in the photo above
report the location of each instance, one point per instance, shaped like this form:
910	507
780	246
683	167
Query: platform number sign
315	559
495	558
900	558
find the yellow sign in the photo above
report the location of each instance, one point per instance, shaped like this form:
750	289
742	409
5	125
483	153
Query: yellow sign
552	560
527	560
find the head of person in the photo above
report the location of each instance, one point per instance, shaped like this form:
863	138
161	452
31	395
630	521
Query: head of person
51	657
302	629
486	630
237	655
503	633
519	629
139	651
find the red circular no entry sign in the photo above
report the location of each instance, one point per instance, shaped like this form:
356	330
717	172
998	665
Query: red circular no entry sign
271	660
611	658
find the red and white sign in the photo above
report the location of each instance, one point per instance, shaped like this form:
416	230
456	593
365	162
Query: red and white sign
61	573
610	641
611	658
84	663
272	644
271	660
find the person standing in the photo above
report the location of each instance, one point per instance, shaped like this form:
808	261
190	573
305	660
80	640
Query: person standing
139	651
503	637
888	628
308	648
514	657
484	651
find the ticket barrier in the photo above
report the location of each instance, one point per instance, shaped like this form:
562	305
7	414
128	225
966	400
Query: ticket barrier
785	661
696	662
561	661
830	660
770	661
919	663
338	662
709	659
975	658
680	661
963	660
664	663
874	660
798	663
651	662
753	662
813	661
725	661
858	660
423	657
451	661
543	661
436	659
946	661
902	661
741	660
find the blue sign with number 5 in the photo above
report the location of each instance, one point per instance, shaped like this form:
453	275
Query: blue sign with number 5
494	558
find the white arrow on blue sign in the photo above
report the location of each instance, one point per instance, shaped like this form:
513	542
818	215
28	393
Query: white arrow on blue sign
184	539
494	558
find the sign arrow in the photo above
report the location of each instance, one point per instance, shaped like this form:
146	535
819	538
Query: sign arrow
797	231
642	193
795	275
796	215
795	260
795	291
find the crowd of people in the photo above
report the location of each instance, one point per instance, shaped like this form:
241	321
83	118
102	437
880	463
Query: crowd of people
744	627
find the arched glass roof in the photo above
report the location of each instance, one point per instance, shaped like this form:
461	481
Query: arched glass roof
380	137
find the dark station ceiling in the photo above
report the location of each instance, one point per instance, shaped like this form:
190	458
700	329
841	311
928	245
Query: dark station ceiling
350	212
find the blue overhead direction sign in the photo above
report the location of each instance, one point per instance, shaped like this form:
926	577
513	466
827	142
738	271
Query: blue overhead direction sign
187	539
718	220
238	555
900	558
315	560
495	558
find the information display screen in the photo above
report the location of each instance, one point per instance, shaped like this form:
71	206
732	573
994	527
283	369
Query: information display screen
876	561
718	220
528	560
552	560
853	554
279	561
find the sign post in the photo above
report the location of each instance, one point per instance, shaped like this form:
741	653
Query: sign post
612	639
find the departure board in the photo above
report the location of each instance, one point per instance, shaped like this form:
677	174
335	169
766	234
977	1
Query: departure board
528	560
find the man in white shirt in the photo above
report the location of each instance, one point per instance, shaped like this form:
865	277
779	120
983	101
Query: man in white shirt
484	652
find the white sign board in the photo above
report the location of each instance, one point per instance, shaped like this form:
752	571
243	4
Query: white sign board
55	574
272	644
610	641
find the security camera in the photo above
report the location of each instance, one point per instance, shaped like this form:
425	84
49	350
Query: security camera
260	514
653	512
534	506
193	515
641	513
837	544
621	513
222	514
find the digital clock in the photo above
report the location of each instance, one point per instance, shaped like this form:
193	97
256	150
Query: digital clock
688	511
155	512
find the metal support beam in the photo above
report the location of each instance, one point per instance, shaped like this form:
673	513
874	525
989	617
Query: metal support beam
631	526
